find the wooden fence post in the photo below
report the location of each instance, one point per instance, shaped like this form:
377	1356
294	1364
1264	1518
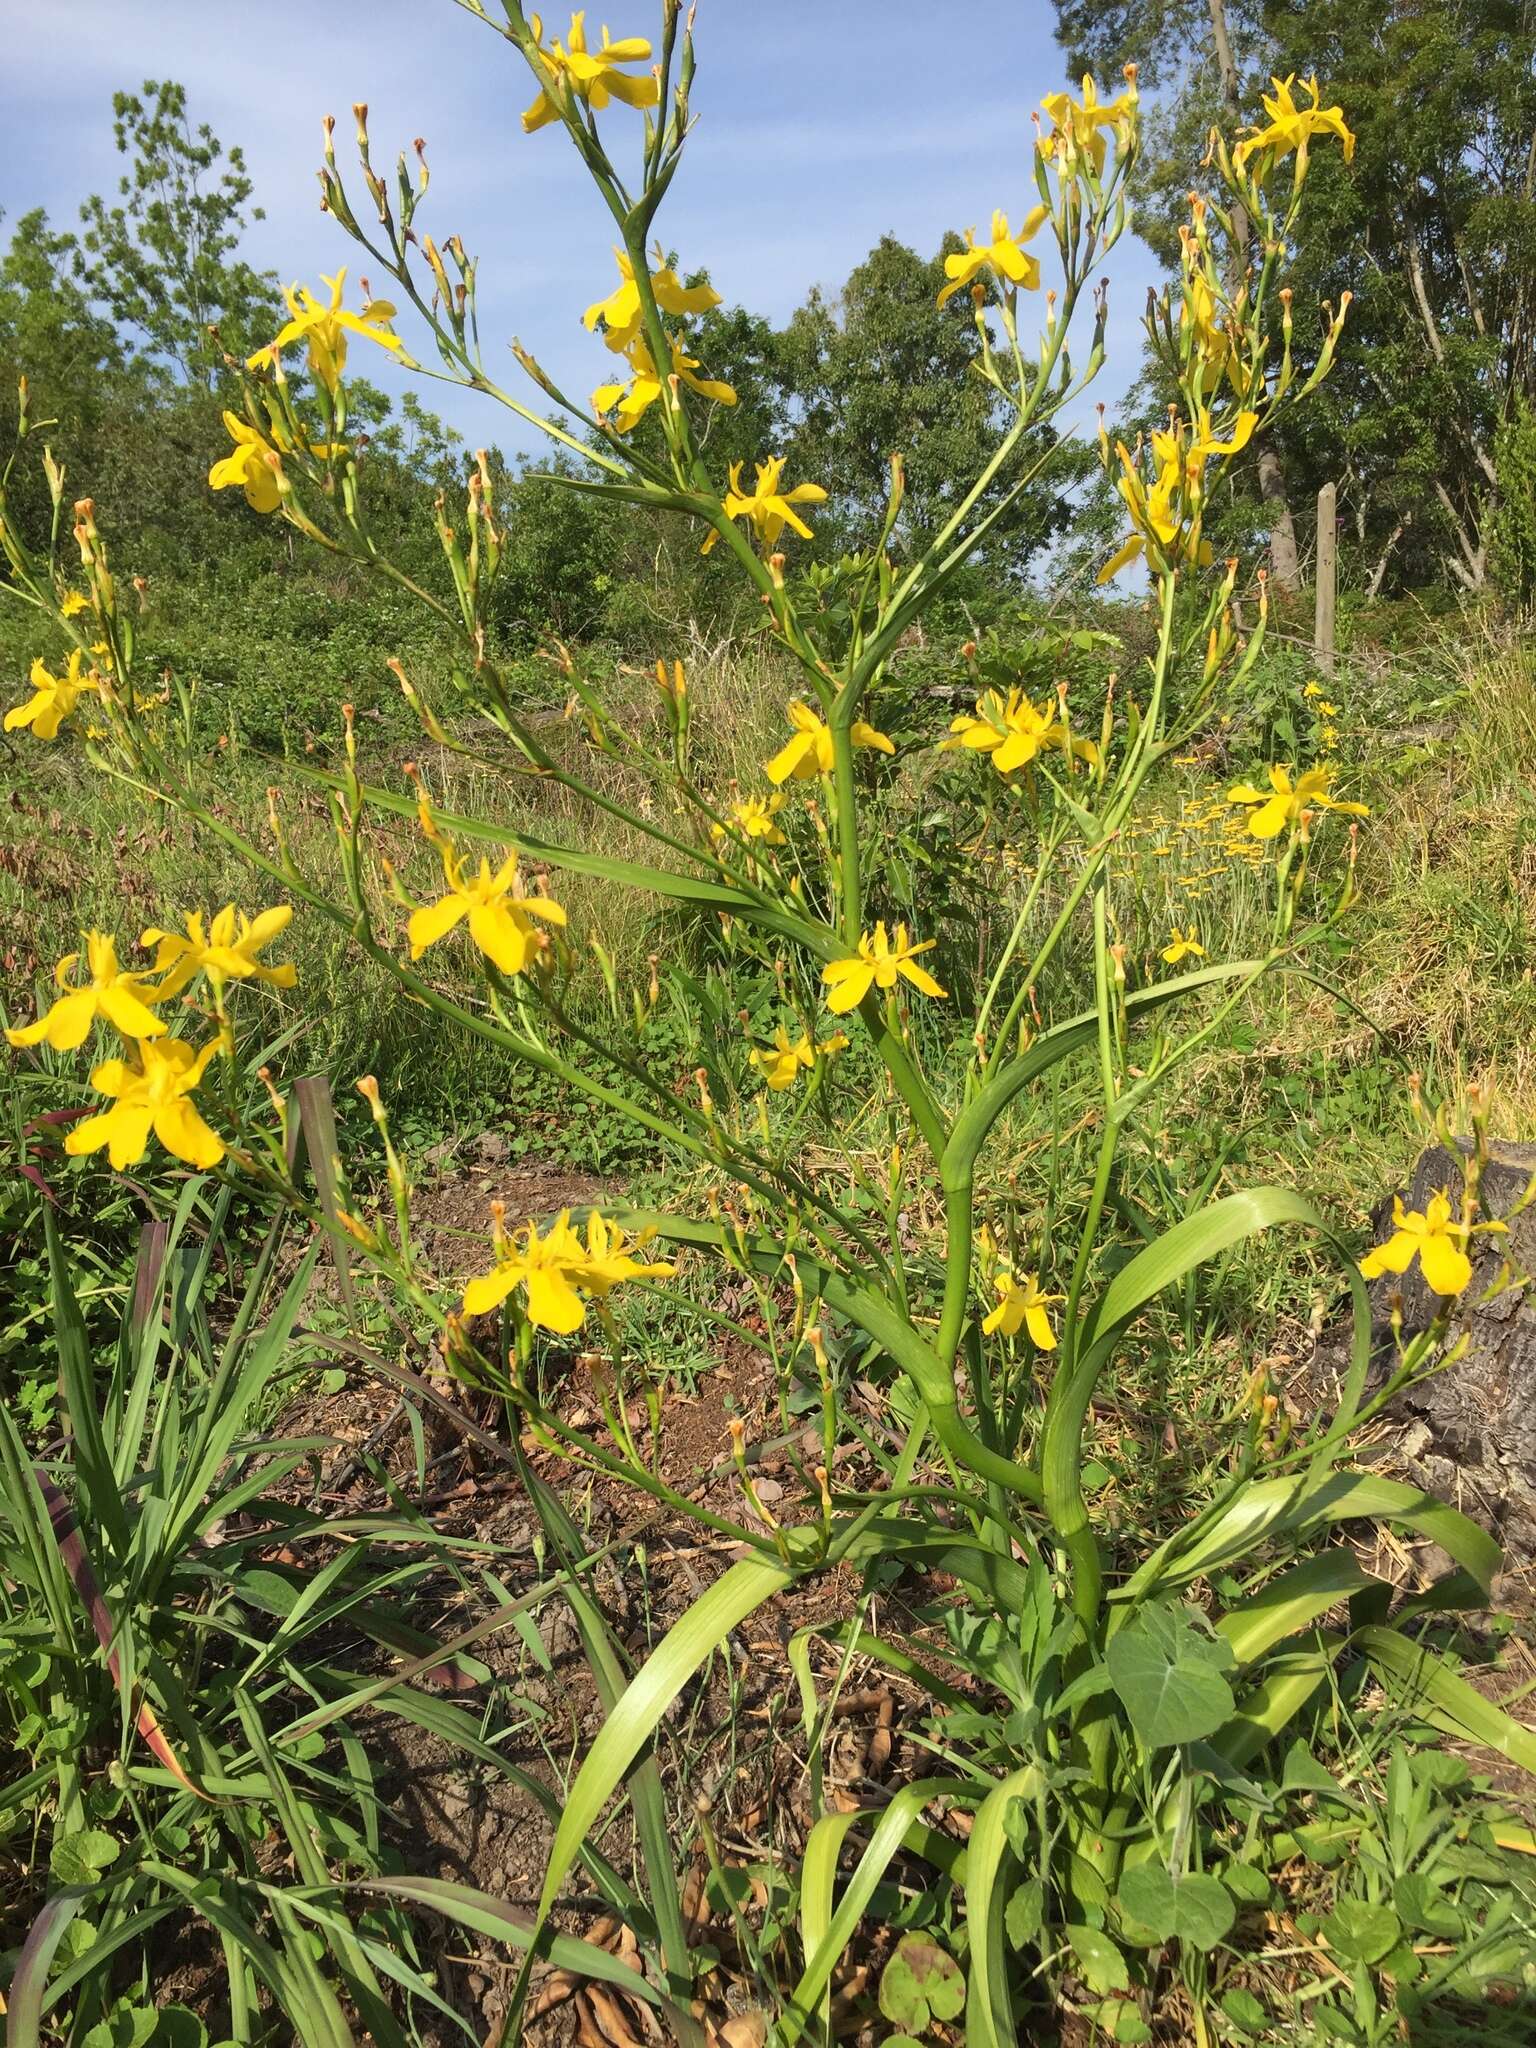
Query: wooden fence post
1327	577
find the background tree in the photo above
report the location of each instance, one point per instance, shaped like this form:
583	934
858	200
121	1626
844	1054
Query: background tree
1432	227
164	262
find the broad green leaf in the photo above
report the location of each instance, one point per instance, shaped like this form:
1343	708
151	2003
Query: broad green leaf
1193	1908
1361	1932
920	1983
1170	1677
1103	1967
81	1858
1423	1906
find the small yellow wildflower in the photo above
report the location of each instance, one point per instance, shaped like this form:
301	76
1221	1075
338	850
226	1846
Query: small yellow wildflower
500	920
1184	944
753	818
54	697
1075	128
877	964
1013	731
620	311
810	751
1165	514
151	1096
121	998
630	402
1283	805
72	602
1022	1305
551	1268
325	329
226	952
592	75
769	509
1431	1237
780	1063
1291	127
1005	256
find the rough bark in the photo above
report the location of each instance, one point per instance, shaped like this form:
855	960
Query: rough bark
1469	1432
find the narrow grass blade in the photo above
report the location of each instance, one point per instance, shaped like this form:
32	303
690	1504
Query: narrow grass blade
1292	1602
317	1120
645	1788
483	1914
25	2017
66	1534
1305	1506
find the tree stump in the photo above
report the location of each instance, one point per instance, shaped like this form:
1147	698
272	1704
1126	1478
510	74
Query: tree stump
1469	1432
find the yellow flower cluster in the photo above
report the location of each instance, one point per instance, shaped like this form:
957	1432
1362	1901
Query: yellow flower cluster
152	1091
500	914
1200	841
555	1271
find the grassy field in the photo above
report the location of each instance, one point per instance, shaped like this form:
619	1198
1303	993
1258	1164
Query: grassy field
1306	1086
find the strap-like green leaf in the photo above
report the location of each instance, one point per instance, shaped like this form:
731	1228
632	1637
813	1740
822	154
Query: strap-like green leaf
1435	1693
825	1934
988	2017
651	1691
1292	1602
1299	1507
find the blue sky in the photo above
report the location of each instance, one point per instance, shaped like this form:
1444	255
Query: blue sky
822	125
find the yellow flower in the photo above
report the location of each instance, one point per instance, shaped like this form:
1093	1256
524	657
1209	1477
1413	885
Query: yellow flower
592	75
54	698
610	1258
877	964
227	952
152	1096
632	400
550	1269
1312	689
1013	731
1285	802
252	463
810	751
781	1062
1184	943
1021	1303
620	311
500	920
1291	127
1429	1236
1004	256
121	998
73	601
1323	708
325	329
769	509
753	818
1075	129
